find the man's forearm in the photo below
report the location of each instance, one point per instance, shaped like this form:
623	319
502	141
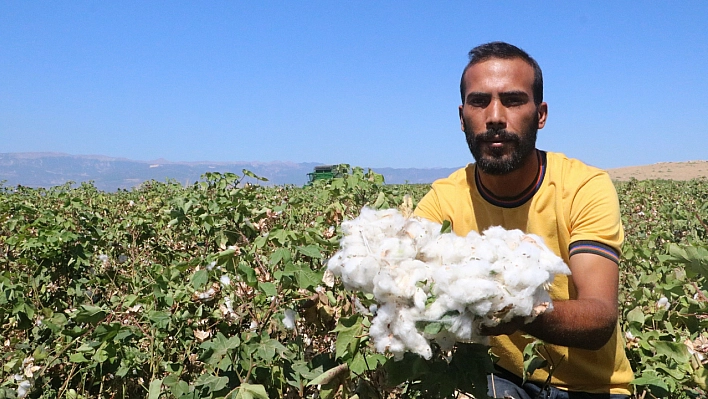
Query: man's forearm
585	324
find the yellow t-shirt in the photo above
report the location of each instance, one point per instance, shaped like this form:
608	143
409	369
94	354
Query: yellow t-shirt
575	208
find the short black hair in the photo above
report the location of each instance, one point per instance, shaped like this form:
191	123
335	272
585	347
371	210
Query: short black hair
505	51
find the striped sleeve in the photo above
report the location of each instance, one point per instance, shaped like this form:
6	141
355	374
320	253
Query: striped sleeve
593	247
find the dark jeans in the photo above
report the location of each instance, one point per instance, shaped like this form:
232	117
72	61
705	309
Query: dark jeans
505	384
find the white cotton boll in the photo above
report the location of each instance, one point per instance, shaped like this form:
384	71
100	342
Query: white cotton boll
334	264
358	307
444	249
405	330
421	231
397	348
663	302
23	388
438	308
481	307
553	263
359	273
289	319
381	341
380	331
419	299
495	232
501	249
228	305
472	290
208	294
465	327
486	252
528	251
521	276
421	346
473	237
384	286
225	280
397	248
400	282
356	249
417	274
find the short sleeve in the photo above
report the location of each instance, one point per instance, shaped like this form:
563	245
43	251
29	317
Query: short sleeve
429	207
595	223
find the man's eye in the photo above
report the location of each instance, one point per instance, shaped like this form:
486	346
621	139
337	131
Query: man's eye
513	101
478	102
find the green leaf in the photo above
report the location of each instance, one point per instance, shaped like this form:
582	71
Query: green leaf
654	382
328	375
251	391
268	348
349	329
432	328
154	391
280	254
532	358
220	347
268	288
214	383
101	355
312	251
248	274
446	227
90	314
673	350
636	316
248	173
306	278
199	279
369	362
380	200
179	389
78	358
160	319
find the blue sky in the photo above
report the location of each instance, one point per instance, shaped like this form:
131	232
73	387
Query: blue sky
369	83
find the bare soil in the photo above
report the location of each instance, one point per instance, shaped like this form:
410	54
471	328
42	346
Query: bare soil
663	170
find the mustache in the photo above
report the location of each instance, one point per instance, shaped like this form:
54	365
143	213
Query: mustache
493	134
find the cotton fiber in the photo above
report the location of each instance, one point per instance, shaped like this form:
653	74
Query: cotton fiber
450	284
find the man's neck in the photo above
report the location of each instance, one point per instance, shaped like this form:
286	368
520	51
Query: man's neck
512	184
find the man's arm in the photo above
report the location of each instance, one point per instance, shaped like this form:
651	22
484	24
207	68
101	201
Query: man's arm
586	322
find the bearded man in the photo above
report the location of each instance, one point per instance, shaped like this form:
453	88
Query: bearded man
573	206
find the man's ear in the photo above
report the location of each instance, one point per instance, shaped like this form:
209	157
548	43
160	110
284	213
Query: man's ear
462	120
542	110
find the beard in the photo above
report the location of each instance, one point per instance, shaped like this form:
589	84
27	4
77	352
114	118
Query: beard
496	162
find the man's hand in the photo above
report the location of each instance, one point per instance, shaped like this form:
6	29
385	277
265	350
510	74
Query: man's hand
507	328
588	321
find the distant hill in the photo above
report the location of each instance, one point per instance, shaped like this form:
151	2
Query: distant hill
663	170
44	169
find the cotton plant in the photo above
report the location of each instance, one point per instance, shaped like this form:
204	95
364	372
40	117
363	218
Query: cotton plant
433	286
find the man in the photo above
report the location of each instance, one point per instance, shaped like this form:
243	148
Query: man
573	206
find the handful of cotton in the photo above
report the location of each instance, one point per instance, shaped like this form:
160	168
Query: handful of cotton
440	286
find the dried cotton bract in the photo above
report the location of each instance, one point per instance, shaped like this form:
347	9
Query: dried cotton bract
442	287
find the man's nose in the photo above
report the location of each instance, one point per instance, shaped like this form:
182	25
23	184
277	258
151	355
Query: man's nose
496	115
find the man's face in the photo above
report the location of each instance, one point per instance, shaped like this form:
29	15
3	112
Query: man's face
499	117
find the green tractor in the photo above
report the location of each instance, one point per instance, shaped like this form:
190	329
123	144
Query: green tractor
326	172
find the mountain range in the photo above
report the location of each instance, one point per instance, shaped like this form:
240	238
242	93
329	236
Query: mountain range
47	169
